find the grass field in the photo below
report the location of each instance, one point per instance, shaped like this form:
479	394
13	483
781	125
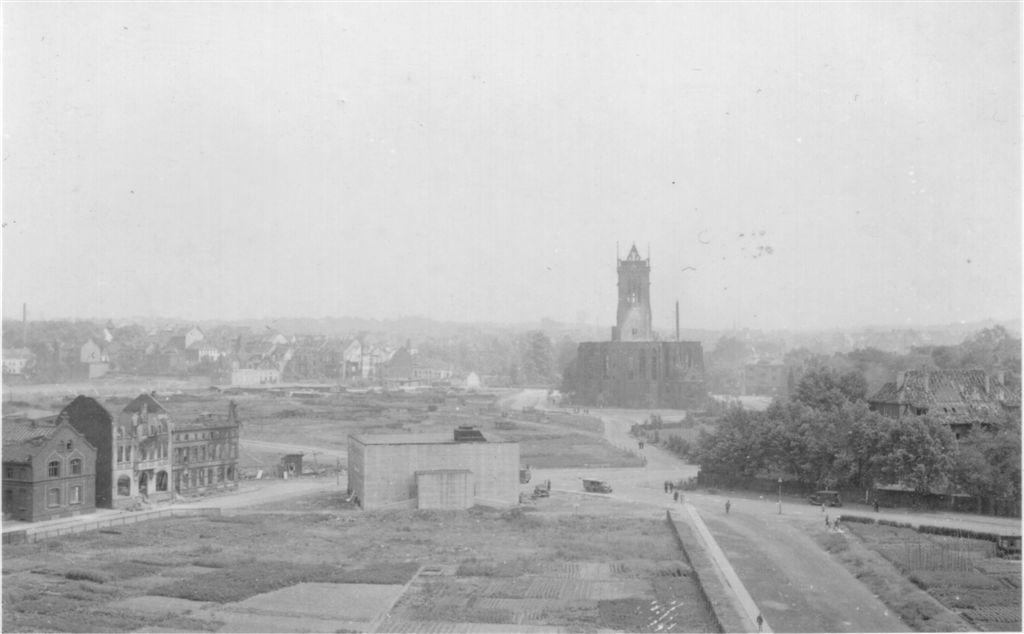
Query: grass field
582	572
548	440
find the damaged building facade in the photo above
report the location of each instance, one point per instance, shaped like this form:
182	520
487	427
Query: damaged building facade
433	470
635	369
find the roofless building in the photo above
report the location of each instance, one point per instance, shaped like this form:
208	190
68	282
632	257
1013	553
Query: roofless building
635	369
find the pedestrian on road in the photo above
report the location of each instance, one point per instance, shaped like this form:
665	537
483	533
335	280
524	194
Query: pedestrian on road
675	496
827	523
728	505
822	507
876	505
664	485
760	622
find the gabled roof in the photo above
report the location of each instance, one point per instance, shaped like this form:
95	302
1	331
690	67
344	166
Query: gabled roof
971	390
144	399
26	431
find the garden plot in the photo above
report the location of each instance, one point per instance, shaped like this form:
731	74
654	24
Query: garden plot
960	573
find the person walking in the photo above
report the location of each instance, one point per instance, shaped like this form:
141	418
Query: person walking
760	622
675	496
728	505
876	505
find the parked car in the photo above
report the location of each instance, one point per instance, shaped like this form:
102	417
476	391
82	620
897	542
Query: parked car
596	486
828	498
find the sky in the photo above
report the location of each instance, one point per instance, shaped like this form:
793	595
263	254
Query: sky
803	165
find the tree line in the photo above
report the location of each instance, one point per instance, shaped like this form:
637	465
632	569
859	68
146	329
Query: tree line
826	437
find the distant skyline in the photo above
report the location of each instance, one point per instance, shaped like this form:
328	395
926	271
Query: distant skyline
800	166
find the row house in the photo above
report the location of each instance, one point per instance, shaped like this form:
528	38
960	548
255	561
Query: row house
135	451
49	470
206	453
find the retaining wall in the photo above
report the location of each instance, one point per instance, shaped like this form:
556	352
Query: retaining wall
33	535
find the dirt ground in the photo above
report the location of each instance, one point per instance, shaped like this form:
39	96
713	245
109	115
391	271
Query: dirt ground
526	568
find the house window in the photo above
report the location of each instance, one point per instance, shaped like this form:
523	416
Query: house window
124	486
69	446
76	466
161	481
53	468
76	495
53	498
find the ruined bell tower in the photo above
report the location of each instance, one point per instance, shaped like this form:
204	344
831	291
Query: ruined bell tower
634	313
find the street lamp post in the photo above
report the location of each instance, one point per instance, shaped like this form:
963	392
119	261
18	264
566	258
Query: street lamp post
780	496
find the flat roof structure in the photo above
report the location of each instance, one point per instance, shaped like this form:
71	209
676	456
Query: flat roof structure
431	438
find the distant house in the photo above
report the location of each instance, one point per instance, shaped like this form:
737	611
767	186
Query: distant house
255	376
399	368
95	357
351	358
49	471
93	352
373	360
430	370
472	381
17	360
203	351
965	397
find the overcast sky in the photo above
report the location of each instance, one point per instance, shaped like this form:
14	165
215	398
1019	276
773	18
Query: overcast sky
815	164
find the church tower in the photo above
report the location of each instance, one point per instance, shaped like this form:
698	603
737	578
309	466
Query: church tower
634	314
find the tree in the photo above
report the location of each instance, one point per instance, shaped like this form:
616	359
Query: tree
828	389
919	454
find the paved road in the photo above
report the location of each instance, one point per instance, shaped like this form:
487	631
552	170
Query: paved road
797	586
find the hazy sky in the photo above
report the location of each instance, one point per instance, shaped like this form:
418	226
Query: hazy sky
816	164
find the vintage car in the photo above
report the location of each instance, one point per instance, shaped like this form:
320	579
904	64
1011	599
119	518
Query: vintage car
596	486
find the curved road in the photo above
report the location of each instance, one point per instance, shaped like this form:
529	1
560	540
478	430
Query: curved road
797	586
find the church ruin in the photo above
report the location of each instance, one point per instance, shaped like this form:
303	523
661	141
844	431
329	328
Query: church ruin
635	369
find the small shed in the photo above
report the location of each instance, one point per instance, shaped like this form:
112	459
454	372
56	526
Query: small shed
444	489
291	465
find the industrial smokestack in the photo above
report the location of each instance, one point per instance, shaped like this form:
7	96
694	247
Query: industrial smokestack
677	320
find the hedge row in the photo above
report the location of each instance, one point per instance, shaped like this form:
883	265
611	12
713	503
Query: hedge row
948	531
951	531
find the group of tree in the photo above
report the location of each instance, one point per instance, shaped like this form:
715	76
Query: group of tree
827	437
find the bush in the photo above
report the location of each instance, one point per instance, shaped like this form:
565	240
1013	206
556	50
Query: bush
86	575
856	518
895	524
952	531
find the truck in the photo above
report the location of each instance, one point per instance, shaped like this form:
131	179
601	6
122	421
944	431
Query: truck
596	486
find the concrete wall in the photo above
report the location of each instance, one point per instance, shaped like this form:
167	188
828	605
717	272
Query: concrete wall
383	475
446	490
640	374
